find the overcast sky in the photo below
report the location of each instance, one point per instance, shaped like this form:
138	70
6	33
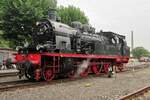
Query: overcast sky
120	16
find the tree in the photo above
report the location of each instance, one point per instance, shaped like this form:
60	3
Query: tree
18	18
70	14
140	52
3	42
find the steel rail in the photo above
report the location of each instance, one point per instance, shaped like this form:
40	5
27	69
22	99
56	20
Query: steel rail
135	94
8	74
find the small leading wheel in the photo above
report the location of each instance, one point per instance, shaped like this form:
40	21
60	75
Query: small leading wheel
30	75
85	72
48	74
29	70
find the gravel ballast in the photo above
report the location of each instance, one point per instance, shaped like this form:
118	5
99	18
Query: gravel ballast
92	88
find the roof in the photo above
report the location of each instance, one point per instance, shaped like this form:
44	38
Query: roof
109	34
8	49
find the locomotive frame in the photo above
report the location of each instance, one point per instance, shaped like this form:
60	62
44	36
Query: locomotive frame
49	65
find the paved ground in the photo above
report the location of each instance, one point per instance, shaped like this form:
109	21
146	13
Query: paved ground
93	88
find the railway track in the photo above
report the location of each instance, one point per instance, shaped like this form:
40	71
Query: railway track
8	73
137	95
13	85
4	86
10	86
129	67
134	68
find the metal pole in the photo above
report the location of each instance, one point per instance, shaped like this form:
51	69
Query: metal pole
132	41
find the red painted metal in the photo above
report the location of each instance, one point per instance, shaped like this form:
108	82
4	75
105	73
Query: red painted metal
48	74
34	58
37	74
19	57
118	59
58	64
106	66
80	55
85	72
95	69
54	64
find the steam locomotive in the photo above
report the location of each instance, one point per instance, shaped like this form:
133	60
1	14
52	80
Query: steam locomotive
58	49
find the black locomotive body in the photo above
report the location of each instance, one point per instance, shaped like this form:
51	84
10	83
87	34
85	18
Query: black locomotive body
56	37
59	48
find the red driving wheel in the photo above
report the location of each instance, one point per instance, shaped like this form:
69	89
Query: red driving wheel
106	67
48	74
96	69
84	73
